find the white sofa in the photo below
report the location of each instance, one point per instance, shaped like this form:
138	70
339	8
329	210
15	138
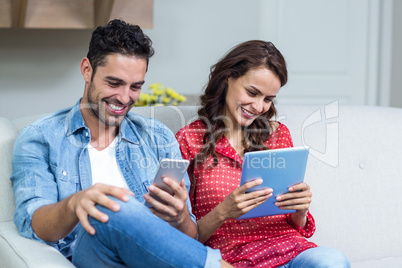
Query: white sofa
354	170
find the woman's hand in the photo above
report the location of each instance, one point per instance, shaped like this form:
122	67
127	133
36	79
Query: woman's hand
238	202
298	198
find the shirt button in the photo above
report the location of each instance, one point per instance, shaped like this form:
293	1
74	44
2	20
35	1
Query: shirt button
86	134
64	173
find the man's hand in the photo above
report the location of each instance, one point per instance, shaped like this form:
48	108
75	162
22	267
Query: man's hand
83	203
55	221
172	208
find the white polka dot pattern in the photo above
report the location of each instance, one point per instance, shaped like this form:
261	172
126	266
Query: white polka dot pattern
259	242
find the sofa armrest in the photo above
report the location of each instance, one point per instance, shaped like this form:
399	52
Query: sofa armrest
17	251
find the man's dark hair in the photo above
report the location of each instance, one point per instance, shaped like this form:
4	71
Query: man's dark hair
118	37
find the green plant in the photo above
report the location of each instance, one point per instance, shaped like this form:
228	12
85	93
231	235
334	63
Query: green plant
160	96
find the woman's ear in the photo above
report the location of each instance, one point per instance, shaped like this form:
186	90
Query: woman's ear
86	70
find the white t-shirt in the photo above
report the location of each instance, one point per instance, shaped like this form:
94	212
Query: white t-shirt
105	168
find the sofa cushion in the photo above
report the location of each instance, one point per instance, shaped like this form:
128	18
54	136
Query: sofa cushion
174	117
354	170
17	251
8	134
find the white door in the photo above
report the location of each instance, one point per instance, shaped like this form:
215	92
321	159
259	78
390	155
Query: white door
331	48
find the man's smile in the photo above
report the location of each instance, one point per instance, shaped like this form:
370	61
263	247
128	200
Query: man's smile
116	109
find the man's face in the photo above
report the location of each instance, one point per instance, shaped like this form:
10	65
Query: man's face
114	89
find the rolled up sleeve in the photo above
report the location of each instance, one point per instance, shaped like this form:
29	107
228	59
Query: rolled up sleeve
213	258
33	183
309	228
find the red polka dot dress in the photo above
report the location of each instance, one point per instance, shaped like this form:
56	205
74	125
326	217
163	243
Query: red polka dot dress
260	242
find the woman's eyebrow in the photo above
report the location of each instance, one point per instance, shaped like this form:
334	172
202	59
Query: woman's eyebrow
259	92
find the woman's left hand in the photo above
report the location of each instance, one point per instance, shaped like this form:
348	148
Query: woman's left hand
299	199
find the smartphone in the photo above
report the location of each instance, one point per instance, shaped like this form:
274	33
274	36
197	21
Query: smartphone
171	168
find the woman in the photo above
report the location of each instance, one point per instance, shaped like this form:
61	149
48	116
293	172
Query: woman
236	109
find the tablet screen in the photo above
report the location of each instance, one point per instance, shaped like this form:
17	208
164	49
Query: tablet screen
279	169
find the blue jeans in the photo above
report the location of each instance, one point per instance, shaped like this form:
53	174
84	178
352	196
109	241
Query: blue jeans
135	237
320	257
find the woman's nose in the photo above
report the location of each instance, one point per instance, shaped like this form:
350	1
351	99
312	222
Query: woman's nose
258	106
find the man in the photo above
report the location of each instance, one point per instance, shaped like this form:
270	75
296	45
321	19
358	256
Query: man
78	180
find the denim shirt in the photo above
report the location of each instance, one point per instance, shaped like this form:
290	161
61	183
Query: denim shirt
51	162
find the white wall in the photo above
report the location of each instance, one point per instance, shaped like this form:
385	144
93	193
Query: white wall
190	36
39	69
327	47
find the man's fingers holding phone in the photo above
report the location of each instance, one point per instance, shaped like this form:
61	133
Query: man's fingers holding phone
177	191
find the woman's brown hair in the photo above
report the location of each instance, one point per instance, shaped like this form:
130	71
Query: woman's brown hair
236	63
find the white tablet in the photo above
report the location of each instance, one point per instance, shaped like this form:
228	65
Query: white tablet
279	169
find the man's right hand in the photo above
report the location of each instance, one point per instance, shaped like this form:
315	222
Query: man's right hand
55	221
83	203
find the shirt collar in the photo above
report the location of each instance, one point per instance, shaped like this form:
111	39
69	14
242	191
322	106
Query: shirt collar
224	148
125	133
75	119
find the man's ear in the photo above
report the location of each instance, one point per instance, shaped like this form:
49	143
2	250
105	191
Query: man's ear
86	70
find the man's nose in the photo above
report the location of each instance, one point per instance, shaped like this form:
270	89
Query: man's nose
124	95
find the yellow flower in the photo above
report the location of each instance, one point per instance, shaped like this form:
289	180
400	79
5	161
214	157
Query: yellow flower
169	91
175	95
142	100
139	103
156	86
146	97
157	92
159	96
181	98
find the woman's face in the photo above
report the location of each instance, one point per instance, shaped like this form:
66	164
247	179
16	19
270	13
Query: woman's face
250	95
